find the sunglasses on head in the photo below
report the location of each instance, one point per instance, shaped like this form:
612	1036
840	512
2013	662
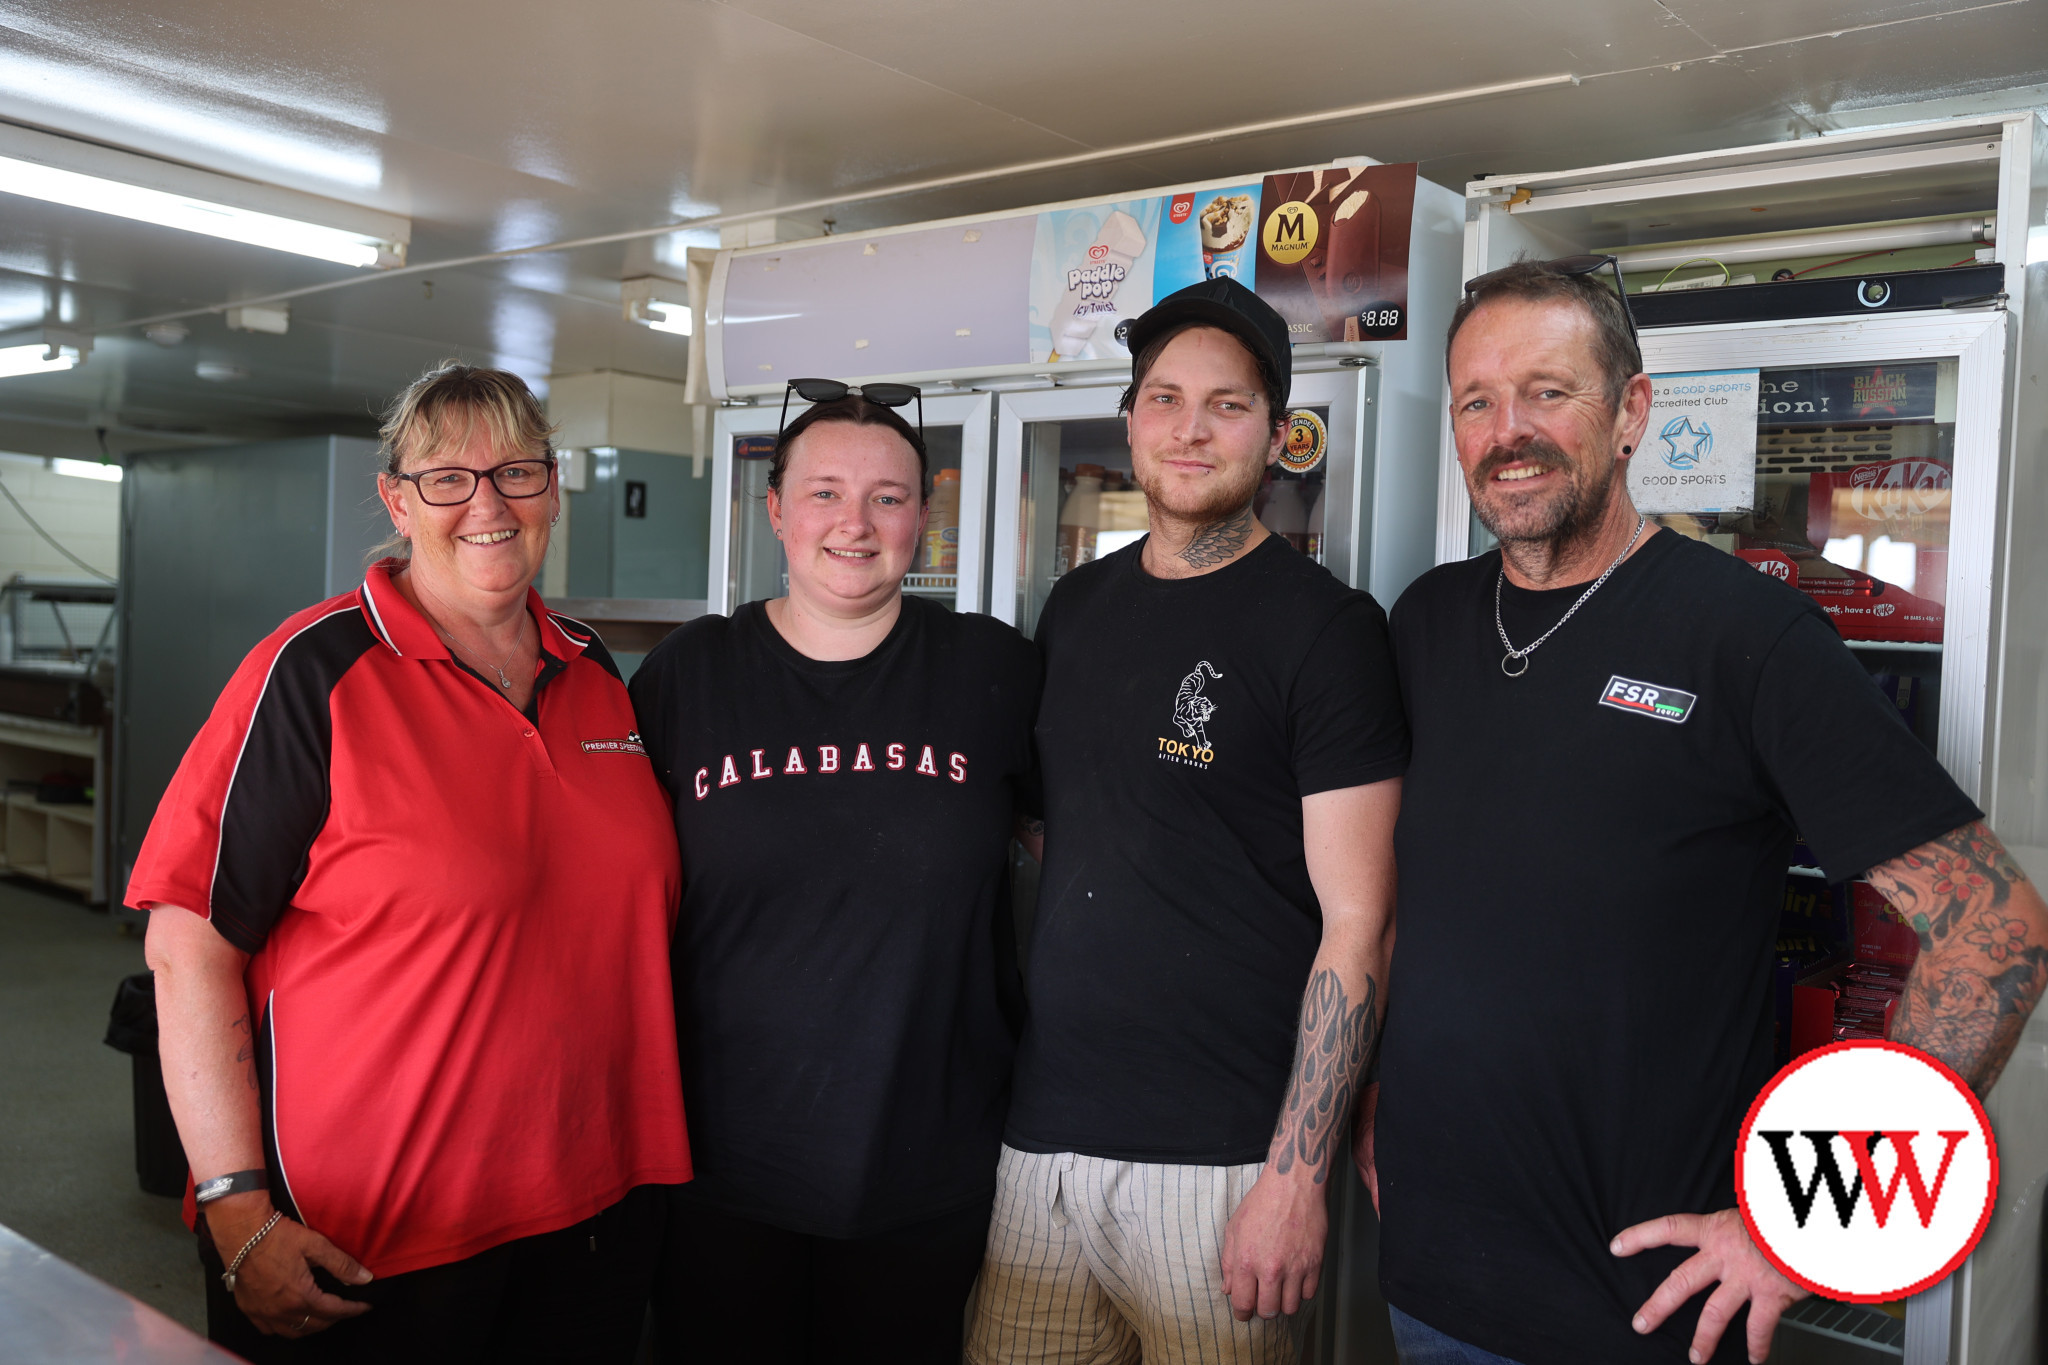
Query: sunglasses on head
1570	265
831	390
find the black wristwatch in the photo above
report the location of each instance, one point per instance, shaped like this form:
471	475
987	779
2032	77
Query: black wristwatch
241	1182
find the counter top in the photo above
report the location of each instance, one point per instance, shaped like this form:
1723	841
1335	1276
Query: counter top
53	1313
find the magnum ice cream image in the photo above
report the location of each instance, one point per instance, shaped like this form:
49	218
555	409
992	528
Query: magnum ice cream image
1226	225
1345	270
1090	285
1333	251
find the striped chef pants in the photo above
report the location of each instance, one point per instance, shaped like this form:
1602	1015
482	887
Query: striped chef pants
1098	1262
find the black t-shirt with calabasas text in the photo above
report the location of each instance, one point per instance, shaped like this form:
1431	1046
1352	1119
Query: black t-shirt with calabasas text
1183	722
845	959
1592	860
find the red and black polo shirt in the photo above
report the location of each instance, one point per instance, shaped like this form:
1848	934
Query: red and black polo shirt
458	919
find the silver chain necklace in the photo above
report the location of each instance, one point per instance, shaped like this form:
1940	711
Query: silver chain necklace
1521	656
506	682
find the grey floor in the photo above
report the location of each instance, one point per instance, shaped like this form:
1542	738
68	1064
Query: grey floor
67	1137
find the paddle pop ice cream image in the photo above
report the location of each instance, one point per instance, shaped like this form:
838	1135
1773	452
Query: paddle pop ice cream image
1090	286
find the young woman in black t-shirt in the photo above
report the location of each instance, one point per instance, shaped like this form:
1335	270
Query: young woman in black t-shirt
846	764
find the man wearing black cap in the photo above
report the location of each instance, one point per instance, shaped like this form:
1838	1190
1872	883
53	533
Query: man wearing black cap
1222	743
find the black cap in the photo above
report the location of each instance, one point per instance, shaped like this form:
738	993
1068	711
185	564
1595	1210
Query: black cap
1224	303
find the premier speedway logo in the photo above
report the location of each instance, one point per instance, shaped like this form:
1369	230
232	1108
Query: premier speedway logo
1866	1171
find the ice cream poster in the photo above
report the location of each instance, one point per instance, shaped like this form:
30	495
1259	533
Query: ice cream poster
1332	251
1091	273
1699	450
1207	233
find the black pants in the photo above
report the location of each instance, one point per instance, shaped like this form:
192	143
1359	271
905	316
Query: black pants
578	1295
732	1289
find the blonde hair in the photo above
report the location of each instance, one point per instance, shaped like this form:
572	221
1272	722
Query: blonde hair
444	407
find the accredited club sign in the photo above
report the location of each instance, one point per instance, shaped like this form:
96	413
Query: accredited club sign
1699	450
1866	1171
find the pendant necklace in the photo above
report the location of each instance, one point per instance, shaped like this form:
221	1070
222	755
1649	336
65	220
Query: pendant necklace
1521	656
506	682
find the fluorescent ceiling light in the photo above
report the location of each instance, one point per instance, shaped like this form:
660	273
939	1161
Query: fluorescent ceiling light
662	304
31	359
670	317
82	175
87	469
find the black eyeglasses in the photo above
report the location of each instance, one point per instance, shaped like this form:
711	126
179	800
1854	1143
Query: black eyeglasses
831	390
1570	265
452	485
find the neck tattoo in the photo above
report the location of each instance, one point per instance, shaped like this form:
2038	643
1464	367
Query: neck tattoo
1521	656
1217	542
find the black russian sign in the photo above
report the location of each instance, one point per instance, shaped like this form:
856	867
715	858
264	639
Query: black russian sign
1847	395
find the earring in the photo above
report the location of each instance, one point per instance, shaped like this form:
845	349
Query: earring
1628	450
554	519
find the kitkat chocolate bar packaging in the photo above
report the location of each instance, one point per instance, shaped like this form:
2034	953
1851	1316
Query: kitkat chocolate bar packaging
1862	607
1881	938
1899	507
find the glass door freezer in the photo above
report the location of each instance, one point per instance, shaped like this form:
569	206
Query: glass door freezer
1061	448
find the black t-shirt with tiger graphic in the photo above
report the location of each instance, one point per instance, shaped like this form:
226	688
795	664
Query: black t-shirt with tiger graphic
1182	724
845	958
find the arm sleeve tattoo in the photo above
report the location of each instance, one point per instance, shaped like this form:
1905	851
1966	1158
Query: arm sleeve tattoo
1983	950
1336	1038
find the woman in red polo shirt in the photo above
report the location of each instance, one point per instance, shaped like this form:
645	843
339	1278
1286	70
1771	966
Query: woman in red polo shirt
413	887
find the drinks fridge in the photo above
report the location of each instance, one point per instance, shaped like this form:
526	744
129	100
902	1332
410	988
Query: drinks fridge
1013	326
1846	341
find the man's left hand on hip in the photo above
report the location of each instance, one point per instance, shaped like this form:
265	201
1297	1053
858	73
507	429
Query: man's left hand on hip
1726	1257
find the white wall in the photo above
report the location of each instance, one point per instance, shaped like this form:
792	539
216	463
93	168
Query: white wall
83	514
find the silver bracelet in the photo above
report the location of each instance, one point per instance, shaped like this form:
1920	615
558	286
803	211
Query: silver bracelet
228	1277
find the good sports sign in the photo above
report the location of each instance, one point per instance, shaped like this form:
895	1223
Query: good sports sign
1866	1171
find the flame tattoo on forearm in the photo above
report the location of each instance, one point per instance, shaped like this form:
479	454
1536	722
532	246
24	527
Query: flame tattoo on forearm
1336	1039
1981	967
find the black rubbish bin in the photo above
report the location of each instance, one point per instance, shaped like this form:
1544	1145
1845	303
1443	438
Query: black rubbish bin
159	1156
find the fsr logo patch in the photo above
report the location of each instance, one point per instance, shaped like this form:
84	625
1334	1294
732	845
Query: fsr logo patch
1648	699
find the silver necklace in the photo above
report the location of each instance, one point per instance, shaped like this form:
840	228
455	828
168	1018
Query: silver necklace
1521	656
504	681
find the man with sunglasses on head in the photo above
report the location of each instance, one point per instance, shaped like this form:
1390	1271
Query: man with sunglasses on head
1221	746
1617	732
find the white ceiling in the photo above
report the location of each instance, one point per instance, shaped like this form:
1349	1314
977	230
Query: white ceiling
513	123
